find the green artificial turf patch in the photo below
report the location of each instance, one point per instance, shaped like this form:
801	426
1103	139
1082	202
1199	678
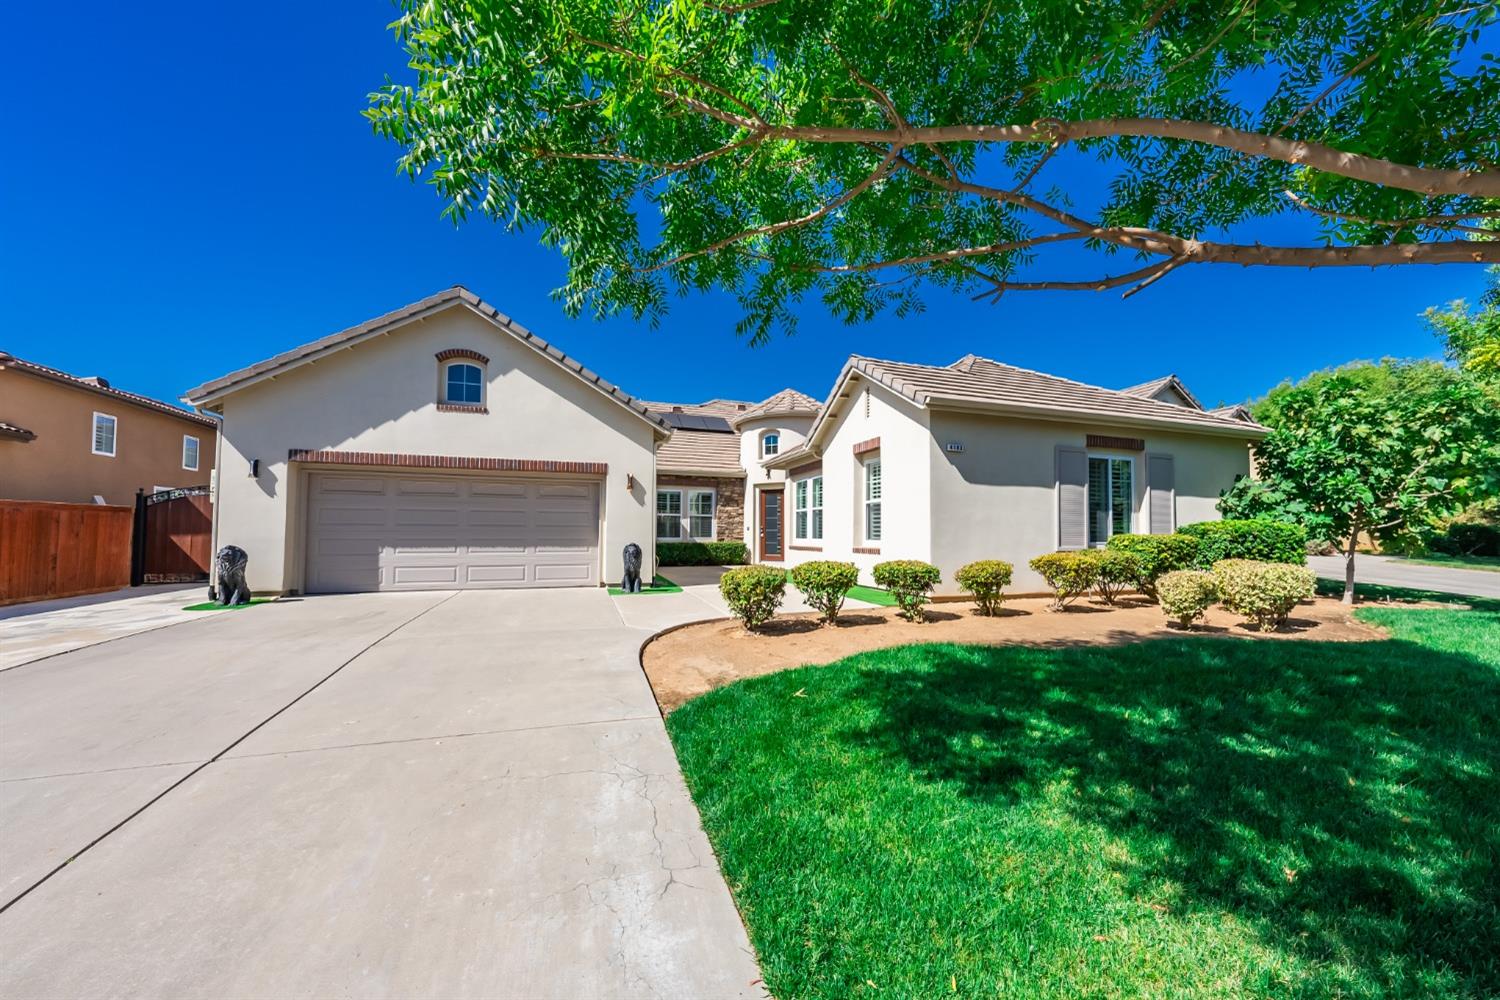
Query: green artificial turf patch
211	606
872	595
660	585
1187	818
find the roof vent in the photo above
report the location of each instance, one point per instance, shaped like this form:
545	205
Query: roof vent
98	380
741	407
676	409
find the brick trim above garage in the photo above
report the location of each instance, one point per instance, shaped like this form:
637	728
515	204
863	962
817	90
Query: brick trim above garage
864	447
462	352
464	463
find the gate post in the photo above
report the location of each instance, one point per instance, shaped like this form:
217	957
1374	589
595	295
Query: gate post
138	541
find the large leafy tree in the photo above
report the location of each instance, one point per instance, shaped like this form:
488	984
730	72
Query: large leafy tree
1471	337
861	150
1379	450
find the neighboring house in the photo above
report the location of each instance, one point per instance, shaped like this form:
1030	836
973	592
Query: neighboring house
985	460
442	446
72	439
439	446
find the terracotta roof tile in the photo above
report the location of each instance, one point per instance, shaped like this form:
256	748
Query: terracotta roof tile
707	452
97	385
785	401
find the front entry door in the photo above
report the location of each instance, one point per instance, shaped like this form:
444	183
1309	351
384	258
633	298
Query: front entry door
770	525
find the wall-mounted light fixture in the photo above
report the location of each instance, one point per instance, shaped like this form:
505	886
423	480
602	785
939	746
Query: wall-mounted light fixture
630	482
255	468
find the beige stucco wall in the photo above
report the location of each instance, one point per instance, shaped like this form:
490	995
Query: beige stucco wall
59	464
793	431
997	499
381	396
906	470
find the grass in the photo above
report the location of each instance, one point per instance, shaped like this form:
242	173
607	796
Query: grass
211	606
1377	592
1488	563
1183	818
659	585
872	595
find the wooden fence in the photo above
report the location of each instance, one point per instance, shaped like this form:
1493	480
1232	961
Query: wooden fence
62	549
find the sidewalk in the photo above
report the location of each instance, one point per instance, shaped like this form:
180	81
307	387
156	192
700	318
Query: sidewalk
45	628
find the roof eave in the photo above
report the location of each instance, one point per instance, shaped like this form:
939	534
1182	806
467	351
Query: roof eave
1229	429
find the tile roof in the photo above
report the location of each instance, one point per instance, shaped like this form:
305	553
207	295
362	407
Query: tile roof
700	452
1149	389
9	430
785	401
987	384
449	297
97	385
1236	411
711	408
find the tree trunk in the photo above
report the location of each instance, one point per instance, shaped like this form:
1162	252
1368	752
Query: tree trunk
1349	566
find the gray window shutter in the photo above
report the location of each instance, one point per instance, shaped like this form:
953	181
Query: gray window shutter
1072	498
1161	482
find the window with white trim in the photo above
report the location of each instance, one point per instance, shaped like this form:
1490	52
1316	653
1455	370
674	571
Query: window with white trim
701	514
669	515
770	444
104	434
463	383
680	518
807	506
872	500
190	453
1111	497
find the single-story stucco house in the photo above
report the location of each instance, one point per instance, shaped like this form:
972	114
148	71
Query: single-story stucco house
445	446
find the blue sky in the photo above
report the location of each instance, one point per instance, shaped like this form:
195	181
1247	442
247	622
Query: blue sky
190	188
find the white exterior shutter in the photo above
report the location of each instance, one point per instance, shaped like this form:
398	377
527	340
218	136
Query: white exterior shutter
1161	496
1072	498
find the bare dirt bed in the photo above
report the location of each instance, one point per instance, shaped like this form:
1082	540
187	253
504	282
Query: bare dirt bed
690	661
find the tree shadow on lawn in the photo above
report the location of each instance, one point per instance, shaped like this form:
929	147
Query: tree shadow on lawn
1344	799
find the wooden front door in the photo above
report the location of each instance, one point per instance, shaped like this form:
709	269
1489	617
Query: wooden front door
771	525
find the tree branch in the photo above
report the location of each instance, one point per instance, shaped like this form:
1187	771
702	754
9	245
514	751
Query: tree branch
1419	222
1098	285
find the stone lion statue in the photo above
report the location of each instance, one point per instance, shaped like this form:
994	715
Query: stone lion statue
232	588
631	584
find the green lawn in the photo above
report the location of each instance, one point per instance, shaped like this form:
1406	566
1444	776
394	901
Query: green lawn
1183	818
1489	563
659	585
871	595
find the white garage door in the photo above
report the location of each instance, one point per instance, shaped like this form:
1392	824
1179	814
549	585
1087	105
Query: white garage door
412	532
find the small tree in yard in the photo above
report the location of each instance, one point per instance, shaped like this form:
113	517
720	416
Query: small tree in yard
1372	449
985	579
824	584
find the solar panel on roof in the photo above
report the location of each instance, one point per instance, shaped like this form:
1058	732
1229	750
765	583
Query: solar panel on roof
695	422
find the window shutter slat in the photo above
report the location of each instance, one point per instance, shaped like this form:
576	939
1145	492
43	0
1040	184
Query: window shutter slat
1161	481
1072	498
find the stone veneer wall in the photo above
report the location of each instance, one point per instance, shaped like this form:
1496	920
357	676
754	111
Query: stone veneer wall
730	502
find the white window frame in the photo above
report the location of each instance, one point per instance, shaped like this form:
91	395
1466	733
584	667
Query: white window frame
805	527
685	514
658	515
197	452
448	366
868	501
765	438
1109	494
114	434
688	515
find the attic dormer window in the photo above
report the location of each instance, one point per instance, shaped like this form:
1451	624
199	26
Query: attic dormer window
770	444
461	380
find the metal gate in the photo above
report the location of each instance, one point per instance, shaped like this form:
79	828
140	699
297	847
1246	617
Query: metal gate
173	536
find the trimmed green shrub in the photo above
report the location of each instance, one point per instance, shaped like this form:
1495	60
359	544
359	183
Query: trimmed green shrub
1069	574
1186	593
909	581
1116	572
753	593
701	554
1261	541
824	583
1264	592
1155	555
985	579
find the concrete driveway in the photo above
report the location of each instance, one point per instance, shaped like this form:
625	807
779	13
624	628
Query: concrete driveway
1393	572
45	628
447	794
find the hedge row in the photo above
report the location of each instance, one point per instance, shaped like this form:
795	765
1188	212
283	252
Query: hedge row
701	553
